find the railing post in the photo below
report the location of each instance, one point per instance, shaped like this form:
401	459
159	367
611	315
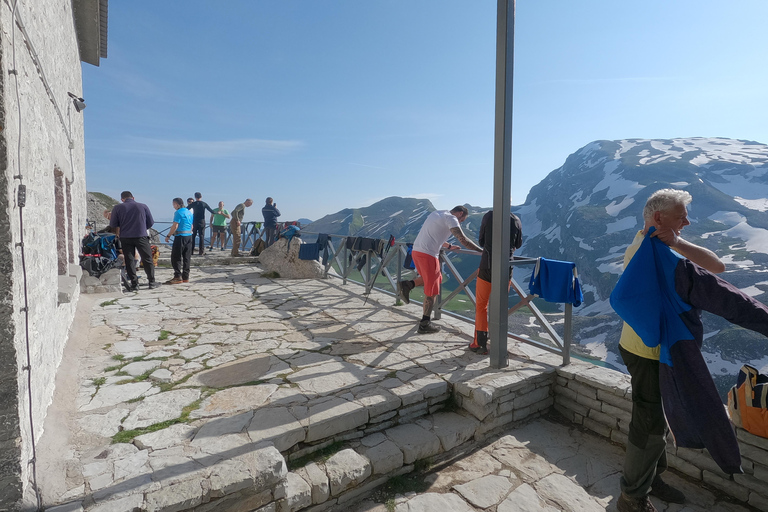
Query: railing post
399	269
438	307
567	333
345	259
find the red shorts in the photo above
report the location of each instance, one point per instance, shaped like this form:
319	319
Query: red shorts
428	267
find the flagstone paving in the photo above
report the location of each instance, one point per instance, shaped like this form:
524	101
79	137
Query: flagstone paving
234	359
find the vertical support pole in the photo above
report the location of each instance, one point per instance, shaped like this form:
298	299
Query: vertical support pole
345	260
502	178
567	334
399	270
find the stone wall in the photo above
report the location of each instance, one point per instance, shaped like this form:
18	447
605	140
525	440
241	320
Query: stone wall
35	151
601	400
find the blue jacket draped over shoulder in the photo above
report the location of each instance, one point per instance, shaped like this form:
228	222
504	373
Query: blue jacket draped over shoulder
661	295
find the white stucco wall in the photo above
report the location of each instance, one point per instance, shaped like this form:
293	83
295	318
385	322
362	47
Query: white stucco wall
44	138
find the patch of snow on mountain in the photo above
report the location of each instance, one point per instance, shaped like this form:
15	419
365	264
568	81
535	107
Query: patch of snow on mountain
752	291
552	234
740	185
728	259
396	213
756	239
621	225
599	307
613	267
656	159
589	148
615	208
578	201
680	184
528	217
761	205
583	245
728	218
616	185
597	348
417	215
719	366
624	146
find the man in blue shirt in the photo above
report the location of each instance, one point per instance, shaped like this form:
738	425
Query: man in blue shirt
131	220
270	213
181	252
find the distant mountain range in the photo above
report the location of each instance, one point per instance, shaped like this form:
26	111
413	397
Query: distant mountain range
588	211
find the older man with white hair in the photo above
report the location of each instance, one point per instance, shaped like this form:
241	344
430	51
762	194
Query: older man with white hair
666	211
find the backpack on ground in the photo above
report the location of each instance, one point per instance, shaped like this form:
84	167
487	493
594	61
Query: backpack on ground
258	247
748	401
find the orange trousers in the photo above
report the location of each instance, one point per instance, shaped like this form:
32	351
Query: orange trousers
482	296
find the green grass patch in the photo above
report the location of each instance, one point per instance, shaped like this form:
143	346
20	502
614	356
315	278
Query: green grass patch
144	376
118	357
399	485
163	335
100	381
112	368
108	303
134	400
271	275
321	455
126	436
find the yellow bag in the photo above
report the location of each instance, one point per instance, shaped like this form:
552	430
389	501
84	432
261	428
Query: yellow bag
748	401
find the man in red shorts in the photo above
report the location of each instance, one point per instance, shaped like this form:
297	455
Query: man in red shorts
432	237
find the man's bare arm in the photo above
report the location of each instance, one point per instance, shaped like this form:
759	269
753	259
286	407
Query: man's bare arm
463	240
697	254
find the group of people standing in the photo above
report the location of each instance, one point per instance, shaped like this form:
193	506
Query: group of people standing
189	224
131	220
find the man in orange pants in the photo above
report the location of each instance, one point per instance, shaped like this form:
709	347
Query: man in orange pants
483	284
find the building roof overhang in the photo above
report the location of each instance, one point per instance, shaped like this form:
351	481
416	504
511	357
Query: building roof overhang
91	27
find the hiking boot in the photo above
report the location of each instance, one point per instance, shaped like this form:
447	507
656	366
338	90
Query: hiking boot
480	344
175	280
185	280
404	289
427	328
627	504
153	285
666	492
132	287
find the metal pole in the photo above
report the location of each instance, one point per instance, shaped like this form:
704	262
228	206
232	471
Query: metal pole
502	178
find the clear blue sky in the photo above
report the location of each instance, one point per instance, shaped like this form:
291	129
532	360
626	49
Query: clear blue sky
339	103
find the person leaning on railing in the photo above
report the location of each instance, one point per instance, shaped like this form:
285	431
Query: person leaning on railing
483	284
432	237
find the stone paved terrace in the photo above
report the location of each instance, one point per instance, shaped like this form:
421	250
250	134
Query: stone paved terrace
215	385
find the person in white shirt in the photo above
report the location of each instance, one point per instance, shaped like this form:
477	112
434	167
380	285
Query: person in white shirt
433	237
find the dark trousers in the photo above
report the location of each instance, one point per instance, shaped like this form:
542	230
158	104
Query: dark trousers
181	254
198	229
130	246
269	235
647	443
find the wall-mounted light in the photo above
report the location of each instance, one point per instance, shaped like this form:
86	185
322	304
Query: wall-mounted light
78	101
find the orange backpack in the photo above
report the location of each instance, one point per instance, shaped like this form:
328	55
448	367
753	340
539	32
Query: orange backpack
748	401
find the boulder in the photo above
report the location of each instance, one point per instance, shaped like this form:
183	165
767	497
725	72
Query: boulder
284	259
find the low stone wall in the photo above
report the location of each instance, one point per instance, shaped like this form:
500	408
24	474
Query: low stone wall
601	400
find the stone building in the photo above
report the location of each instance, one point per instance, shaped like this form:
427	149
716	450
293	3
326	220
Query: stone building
42	213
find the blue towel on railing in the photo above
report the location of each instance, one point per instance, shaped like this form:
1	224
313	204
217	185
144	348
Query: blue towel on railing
556	281
309	251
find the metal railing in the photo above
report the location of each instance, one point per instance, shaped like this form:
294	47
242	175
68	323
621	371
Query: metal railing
249	233
346	261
